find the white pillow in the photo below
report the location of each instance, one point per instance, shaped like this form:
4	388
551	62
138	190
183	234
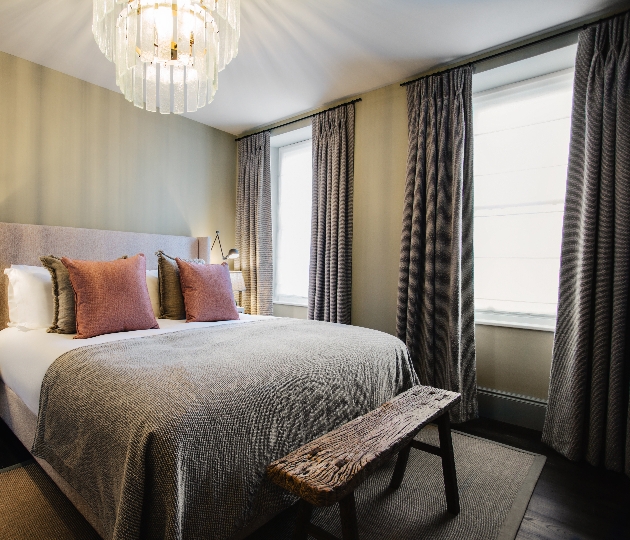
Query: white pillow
13	310
154	291
30	296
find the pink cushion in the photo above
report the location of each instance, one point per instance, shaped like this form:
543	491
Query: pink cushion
207	290
110	296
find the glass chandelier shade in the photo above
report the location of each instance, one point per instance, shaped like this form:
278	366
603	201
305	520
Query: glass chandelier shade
168	54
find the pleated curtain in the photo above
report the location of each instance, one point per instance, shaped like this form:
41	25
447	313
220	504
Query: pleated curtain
330	276
435	315
588	413
253	224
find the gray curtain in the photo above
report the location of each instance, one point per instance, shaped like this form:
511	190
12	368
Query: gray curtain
587	416
435	290
253	224
329	292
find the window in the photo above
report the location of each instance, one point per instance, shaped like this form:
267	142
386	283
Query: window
292	223
521	146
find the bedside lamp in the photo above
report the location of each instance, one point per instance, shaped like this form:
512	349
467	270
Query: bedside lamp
232	254
238	283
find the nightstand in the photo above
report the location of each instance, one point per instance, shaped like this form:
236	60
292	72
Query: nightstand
240	309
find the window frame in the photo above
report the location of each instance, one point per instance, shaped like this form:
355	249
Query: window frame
527	321
296	136
545	323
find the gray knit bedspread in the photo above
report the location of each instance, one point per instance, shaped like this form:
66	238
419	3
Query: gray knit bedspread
169	436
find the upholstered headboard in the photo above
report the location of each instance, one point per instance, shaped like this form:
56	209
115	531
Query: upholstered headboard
25	244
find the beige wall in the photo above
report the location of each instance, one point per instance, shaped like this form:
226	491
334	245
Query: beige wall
514	360
379	185
75	154
508	359
284	310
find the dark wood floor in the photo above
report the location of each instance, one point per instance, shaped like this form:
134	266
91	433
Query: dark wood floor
571	501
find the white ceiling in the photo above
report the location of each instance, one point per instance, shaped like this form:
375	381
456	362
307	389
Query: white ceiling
297	55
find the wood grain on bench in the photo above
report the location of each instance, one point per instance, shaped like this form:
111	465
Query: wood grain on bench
327	469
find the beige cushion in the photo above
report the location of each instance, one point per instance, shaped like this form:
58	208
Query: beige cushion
171	297
64	318
64	310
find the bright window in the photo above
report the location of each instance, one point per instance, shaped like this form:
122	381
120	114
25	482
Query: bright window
293	224
521	148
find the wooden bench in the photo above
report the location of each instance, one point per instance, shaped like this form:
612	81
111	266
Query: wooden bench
328	470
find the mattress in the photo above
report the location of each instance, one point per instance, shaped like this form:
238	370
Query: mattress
26	355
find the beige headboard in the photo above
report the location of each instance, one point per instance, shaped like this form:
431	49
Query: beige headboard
24	244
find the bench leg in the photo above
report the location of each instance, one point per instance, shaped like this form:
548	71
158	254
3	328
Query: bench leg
349	525
448	464
303	520
399	470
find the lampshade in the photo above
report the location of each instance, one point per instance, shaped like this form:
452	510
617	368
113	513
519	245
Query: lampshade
232	254
238	283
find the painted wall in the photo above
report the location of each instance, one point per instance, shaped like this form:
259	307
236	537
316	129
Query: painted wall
75	154
379	184
284	310
514	360
508	359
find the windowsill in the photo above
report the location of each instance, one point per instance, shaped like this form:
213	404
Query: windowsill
516	320
285	303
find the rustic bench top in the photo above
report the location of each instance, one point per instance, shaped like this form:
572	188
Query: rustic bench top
327	469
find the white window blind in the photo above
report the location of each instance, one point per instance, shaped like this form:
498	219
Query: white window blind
521	145
293	238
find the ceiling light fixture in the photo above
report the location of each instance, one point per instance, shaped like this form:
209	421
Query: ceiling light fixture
168	54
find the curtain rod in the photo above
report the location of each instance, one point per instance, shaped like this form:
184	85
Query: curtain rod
300	119
517	47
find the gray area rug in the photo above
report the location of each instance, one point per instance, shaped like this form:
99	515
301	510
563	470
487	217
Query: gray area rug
495	485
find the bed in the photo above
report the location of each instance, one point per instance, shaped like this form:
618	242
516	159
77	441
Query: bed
167	432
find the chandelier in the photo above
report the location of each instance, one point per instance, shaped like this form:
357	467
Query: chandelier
167	53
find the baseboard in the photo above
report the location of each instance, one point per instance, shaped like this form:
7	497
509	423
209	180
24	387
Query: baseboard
511	408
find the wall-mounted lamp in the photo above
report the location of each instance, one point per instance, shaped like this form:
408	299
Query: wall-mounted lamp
232	254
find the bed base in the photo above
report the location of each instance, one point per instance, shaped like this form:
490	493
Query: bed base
23	422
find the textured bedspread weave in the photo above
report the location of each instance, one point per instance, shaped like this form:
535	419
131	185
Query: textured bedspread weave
169	436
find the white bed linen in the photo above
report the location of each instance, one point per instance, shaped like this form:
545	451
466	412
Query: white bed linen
26	355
